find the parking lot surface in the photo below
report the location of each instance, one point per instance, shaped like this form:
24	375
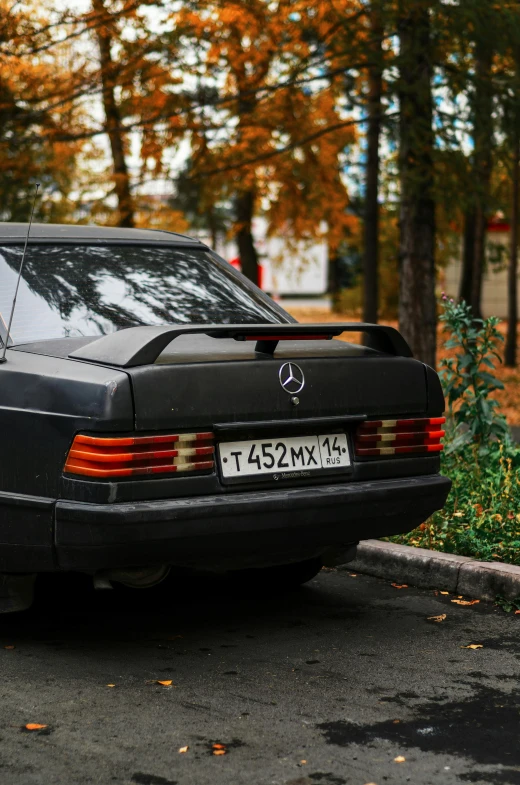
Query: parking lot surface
346	681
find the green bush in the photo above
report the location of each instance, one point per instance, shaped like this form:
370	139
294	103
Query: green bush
467	378
482	515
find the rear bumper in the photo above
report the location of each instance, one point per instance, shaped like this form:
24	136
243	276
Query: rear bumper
240	529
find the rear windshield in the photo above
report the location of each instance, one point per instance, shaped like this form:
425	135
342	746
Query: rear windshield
76	290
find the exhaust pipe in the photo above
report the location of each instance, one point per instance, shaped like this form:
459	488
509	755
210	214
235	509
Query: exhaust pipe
132	577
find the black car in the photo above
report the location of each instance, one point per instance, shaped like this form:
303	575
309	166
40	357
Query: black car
158	410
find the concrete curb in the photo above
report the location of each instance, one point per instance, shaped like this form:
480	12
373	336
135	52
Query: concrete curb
433	570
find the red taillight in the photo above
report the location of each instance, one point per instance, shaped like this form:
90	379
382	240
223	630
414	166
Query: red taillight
127	456
295	337
398	437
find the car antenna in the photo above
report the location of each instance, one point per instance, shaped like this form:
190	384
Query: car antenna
3	358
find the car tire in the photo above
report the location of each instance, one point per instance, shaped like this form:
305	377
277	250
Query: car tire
283	576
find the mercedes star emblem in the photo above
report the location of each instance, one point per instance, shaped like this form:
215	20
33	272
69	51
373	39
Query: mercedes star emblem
291	378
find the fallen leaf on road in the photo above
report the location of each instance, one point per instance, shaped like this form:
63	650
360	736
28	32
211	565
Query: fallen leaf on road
34	726
444	592
303	763
437	618
396	722
184	749
400	585
10	647
353	574
111	685
473	646
399	759
466	602
167	683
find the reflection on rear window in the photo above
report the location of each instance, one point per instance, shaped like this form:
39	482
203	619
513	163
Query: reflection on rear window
69	291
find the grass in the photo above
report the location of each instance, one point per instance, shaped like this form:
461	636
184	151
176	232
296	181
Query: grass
481	518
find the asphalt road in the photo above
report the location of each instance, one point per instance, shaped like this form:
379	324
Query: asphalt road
325	686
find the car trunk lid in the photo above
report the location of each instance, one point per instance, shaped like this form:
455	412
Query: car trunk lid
200	383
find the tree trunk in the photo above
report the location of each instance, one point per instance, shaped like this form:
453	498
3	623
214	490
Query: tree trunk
333	283
245	198
512	275
483	140
245	204
479	261
371	212
212	226
468	255
417	306
113	119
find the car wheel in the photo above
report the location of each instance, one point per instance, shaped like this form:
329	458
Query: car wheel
283	576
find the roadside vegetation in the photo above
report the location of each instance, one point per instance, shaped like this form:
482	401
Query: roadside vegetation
481	518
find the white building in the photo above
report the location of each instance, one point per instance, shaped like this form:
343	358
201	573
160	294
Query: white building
287	266
494	288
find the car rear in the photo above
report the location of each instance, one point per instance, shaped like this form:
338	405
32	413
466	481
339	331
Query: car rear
177	416
230	466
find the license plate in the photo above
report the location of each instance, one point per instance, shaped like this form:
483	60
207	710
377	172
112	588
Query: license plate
284	458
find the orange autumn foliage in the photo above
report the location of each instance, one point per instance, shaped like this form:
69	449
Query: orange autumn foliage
33	109
273	133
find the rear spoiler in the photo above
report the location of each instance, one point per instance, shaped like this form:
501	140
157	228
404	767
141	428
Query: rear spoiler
143	345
